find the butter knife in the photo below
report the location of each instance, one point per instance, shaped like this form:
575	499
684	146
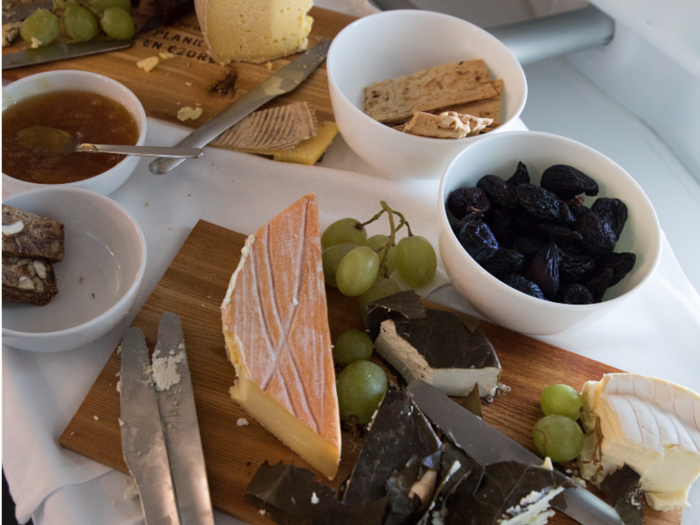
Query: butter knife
53	52
283	81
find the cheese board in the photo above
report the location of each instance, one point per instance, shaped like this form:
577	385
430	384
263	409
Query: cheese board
192	78
194	286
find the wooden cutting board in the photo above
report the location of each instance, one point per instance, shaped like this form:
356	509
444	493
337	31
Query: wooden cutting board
194	287
192	78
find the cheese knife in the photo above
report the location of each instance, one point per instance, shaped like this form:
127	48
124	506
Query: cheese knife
160	431
283	81
487	445
53	52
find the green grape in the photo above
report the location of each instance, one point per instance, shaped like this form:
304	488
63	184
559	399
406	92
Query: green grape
331	259
416	261
118	23
361	387
562	400
61	4
79	23
382	287
376	242
41	27
558	437
352	346
357	271
102	5
344	230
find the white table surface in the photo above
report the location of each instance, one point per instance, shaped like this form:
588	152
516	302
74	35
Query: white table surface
657	332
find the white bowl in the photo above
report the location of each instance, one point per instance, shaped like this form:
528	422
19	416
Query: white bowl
104	183
499	154
402	42
98	280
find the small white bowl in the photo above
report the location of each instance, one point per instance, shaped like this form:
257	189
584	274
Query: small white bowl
402	42
499	155
98	280
104	183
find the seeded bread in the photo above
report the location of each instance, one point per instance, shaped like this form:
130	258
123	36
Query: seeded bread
30	281
26	234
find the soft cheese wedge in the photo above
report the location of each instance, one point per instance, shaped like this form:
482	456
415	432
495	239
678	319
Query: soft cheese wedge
254	30
275	322
651	425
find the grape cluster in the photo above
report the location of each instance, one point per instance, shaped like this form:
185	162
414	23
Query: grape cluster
81	21
558	435
362	267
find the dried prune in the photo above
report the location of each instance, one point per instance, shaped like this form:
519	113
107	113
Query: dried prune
567	182
504	261
558	233
521	176
574	266
574	293
524	285
612	210
565	213
476	237
543	270
528	245
597	235
599	283
502	225
499	192
464	200
472	216
620	263
538	202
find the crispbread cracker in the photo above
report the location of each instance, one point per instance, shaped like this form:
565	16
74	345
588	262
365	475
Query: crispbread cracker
485	108
396	100
437	126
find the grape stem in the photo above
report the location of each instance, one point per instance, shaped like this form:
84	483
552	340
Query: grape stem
392	237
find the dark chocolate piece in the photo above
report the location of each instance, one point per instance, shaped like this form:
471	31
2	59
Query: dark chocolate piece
291	496
399	431
403	507
401	305
29	281
26	234
624	491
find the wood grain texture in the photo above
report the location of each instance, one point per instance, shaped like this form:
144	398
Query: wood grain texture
192	77
194	287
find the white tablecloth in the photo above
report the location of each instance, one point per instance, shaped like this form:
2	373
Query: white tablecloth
657	332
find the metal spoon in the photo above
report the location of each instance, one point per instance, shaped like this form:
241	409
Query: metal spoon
51	142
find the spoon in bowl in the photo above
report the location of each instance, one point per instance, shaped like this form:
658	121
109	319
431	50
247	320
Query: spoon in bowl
51	142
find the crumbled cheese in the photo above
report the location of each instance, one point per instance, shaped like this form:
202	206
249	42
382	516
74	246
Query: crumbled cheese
10	32
147	64
242	422
35	42
314	499
121	423
166	56
164	369
96	418
119	386
189	113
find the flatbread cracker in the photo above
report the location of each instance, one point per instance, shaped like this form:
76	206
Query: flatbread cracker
396	100
440	126
485	108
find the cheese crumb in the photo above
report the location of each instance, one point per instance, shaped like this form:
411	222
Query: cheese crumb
268	65
96	418
166	56
121	423
242	422
262	512
164	369
35	42
119	386
131	491
189	113
314	499
10	32
147	64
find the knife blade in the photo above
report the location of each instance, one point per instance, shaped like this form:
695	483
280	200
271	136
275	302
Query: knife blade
283	81
181	427
53	52
487	445
143	442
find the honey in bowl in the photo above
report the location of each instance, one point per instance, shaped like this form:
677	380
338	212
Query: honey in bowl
88	117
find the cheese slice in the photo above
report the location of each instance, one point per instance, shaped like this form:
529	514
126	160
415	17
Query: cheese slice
254	30
651	425
275	322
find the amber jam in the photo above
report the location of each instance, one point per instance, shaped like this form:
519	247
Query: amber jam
89	117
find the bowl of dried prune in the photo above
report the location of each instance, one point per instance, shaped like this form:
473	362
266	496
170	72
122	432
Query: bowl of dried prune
541	233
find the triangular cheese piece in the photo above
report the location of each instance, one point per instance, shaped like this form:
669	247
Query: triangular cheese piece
275	322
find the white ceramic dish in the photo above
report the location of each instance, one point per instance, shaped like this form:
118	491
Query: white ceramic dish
98	280
104	183
398	43
499	154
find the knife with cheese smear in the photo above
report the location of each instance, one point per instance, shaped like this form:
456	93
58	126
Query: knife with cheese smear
275	323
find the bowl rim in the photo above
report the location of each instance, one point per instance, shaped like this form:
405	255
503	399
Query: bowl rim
126	296
528	300
419	13
140	113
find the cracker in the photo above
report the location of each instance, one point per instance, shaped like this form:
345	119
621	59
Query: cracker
396	100
485	108
437	126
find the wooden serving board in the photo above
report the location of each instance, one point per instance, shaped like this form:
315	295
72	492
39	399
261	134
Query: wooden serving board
192	77
194	287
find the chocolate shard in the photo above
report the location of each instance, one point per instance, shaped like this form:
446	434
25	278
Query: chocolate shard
291	496
398	432
403	504
624	491
400	305
508	492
